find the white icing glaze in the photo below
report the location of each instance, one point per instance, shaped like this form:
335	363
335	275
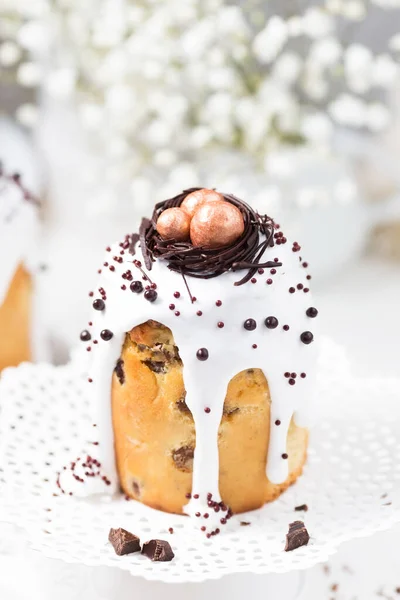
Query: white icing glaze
18	228
230	350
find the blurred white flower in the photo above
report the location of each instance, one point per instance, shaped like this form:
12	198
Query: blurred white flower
377	117
387	3
35	37
269	42
10	54
348	110
317	127
27	115
384	71
354	10
60	83
325	52
287	67
358	61
317	22
120	98
394	42
29	74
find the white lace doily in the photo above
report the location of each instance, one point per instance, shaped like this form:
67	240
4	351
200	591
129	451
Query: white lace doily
351	483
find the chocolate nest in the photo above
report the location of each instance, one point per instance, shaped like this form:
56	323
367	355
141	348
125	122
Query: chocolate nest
205	263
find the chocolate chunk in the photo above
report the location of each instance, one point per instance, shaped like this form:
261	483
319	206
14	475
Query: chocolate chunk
302	507
119	371
156	366
297	536
183	458
123	541
158	551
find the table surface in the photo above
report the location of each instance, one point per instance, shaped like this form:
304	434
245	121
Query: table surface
359	309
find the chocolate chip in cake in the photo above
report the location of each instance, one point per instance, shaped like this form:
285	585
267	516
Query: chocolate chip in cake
123	541
302	507
158	551
183	407
183	458
137	490
156	366
297	536
119	371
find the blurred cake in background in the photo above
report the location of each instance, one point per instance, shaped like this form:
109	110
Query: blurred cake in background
18	230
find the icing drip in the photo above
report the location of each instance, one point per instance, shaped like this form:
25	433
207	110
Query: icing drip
225	350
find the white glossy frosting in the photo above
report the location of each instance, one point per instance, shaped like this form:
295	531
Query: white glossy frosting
230	350
18	228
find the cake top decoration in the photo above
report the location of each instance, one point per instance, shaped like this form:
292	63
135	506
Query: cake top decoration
203	233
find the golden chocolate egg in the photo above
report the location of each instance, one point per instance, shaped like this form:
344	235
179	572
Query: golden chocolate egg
194	200
174	224
216	224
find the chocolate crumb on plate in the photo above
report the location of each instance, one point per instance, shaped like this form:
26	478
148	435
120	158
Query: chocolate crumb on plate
123	541
158	551
245	523
301	507
297	536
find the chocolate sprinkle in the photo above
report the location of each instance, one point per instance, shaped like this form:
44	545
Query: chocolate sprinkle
119	371
205	263
85	336
302	507
158	551
123	541
297	536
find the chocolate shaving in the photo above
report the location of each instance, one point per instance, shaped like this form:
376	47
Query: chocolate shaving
302	507
158	551
206	263
123	541
297	536
134	238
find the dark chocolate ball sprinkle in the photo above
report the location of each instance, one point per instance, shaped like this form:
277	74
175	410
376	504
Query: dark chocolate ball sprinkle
172	307
303	375
306	337
137	287
294	375
254	346
202	354
271	322
207	409
220	324
253	280
286	328
308	277
218	303
269	281
291	381
306	290
291	290
277	422
250	324
287	374
177	295
299	286
150	295
285	456
106	335
85	335
99	304
273	271
177	313
311	312
199	313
